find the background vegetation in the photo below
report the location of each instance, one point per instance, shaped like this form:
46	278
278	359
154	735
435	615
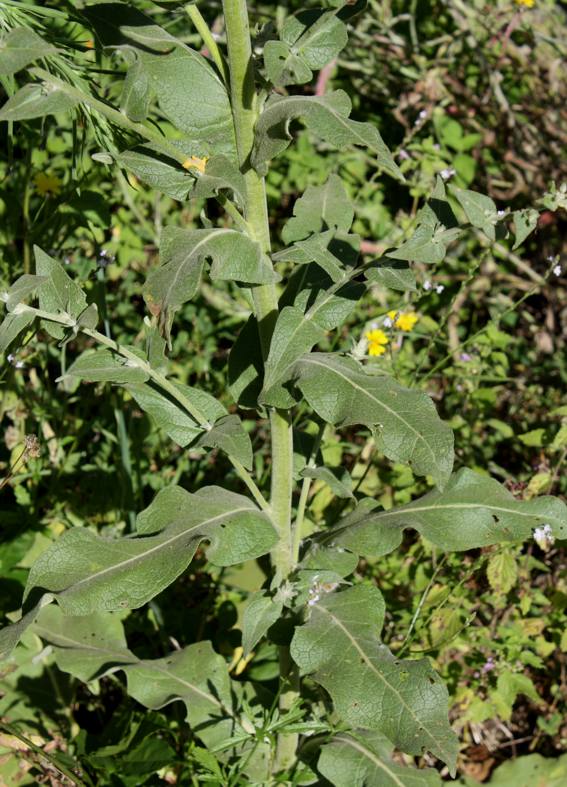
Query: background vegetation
475	91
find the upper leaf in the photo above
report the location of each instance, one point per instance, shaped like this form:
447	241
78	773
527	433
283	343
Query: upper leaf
472	511
59	293
234	256
106	366
405	700
320	208
364	759
20	47
37	100
326	116
405	422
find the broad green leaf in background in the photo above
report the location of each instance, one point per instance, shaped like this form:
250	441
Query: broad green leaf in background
321	208
479	209
391	274
326	116
93	645
364	759
328	304
136	92
339	646
20	47
340	488
525	222
245	366
502	571
22	288
472	511
229	436
309	40
234	255
220	174
529	771
106	366
12	326
260	613
58	294
87	573
437	227
35	101
405	422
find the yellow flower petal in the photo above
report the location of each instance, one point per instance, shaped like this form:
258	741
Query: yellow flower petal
376	336
194	162
406	322
392	314
376	349
47	184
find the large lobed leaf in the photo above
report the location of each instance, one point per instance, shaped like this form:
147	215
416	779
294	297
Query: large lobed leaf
405	422
472	511
364	759
87	573
327	116
320	208
340	648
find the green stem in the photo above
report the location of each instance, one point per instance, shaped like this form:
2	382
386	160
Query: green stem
304	494
208	40
245	112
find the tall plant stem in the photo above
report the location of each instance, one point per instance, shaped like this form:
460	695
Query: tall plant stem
245	112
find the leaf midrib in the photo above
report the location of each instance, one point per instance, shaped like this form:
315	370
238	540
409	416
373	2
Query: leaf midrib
369	755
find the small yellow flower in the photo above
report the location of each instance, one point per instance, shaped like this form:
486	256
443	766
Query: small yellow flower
47	185
194	162
526	3
377	341
406	322
392	314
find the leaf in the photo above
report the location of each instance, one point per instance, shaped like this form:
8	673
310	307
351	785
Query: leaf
321	208
479	209
312	291
502	572
58	294
364	759
20	47
158	170
229	435
294	334
181	80
326	116
472	511
106	366
406	423
169	415
334	252
261	612
220	175
12	326
36	100
427	245
22	288
406	701
530	770
245	366
525	222
87	573
309	40
136	92
391	274
235	257
339	488
91	646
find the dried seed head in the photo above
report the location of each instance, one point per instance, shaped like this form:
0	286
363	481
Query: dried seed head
32	446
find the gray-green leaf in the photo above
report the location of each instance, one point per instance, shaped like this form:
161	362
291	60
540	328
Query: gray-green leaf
158	170
260	613
472	511
525	222
229	435
321	208
20	47
327	116
59	293
479	209
12	326
34	101
364	759
404	700
106	366
406	423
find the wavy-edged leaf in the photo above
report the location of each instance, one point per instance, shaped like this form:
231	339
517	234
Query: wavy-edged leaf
320	208
220	174
260	612
406	701
94	645
136	92
363	758
229	435
341	487
479	209
158	170
87	573
106	366
35	101
391	274
334	251
405	421
20	47
313	291
235	257
169	415
327	116
58	294
472	511
12	326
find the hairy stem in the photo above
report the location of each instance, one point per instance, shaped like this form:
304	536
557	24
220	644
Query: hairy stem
245	111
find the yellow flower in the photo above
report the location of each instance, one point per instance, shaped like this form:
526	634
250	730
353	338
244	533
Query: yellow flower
46	185
194	162
526	3
392	314
405	322
377	341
